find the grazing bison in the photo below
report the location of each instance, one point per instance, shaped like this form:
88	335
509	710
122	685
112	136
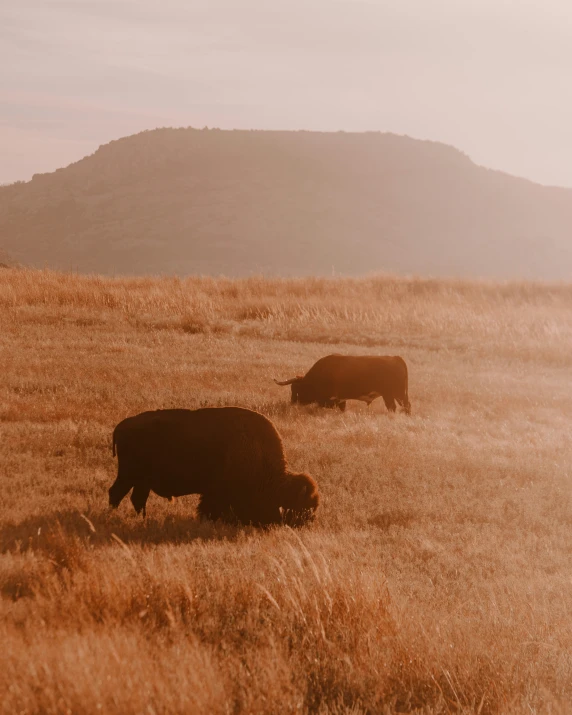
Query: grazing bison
232	457
337	378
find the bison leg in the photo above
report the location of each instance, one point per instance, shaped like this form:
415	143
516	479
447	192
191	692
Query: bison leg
213	508
119	490
256	516
389	403
370	397
331	403
139	498
405	404
240	510
261	515
248	510
341	405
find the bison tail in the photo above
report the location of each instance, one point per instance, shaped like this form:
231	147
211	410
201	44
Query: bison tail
113	444
406	402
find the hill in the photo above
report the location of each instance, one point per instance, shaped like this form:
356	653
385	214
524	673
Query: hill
287	203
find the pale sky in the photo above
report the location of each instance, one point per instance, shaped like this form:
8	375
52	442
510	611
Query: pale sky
491	77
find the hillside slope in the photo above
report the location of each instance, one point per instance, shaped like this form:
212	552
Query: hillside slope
291	203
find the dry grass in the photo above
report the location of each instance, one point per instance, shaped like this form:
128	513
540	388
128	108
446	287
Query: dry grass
437	577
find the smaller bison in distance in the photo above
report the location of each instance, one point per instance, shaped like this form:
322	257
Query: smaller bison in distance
337	378
231	456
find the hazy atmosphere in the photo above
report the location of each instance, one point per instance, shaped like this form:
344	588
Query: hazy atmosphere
285	357
490	77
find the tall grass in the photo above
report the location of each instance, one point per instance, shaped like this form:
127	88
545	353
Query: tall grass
437	575
377	311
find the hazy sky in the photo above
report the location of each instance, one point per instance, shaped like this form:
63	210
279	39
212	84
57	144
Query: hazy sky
492	77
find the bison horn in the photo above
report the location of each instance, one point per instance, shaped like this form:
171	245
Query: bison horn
286	382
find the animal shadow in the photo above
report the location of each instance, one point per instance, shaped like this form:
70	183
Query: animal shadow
51	532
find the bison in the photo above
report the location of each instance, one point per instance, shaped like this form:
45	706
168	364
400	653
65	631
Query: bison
231	456
337	378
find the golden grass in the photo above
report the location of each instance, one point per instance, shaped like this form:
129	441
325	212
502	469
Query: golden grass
437	577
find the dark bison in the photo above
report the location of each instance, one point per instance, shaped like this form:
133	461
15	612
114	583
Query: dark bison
232	457
337	378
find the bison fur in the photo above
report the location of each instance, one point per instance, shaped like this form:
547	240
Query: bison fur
232	457
336	378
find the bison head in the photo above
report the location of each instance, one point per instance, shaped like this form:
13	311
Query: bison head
298	498
301	391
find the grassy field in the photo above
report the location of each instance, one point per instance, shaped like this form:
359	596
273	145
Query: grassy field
437	576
